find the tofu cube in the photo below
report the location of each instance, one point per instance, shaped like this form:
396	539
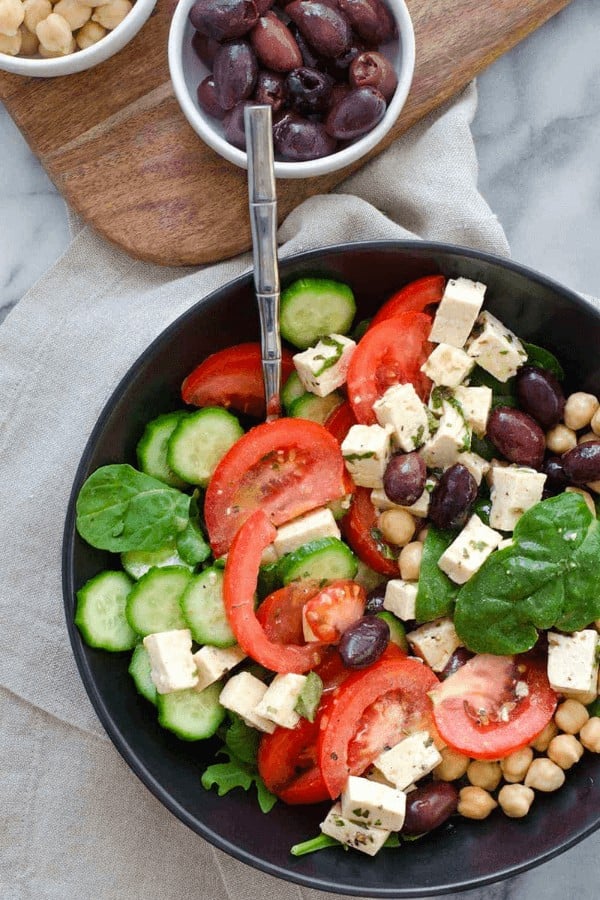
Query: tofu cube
496	348
468	552
514	490
214	662
269	556
324	368
241	695
477	465
280	699
448	365
401	598
457	312
401	409
353	833
435	642
366	450
378	805
573	664
419	508
476	403
171	660
408	761
319	523
452	437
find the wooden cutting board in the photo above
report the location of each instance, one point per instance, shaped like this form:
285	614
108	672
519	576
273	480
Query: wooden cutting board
116	145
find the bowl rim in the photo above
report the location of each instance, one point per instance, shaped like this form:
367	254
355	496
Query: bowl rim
308	168
98	701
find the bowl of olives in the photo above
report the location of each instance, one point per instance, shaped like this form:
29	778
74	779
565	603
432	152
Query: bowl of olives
336	74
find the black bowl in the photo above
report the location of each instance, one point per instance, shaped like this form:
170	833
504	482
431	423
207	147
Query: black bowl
460	855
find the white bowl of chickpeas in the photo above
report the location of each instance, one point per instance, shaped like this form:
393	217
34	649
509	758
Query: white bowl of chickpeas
43	39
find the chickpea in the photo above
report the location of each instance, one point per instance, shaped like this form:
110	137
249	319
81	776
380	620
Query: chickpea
571	716
90	34
35	12
514	767
542	741
397	526
579	410
410	561
565	750
54	34
484	774
11	17
93	3
111	14
588	436
515	800
560	439
544	775
586	496
453	765
590	735
595	423
75	13
29	42
10	44
475	803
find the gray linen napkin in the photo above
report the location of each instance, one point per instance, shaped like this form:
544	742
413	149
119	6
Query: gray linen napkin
76	821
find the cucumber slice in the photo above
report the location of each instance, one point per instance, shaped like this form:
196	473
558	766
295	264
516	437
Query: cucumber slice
203	610
152	448
139	669
325	559
100	614
190	714
368	578
269	580
137	562
314	307
153	603
199	441
192	545
291	390
397	629
309	406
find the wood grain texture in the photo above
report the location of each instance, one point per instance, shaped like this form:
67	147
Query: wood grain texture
116	145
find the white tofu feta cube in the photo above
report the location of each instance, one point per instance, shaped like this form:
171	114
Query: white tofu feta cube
269	555
319	523
241	695
435	642
452	437
171	660
419	508
514	490
468	552
214	662
476	403
353	833
408	761
324	368
377	805
280	699
448	365
401	598
477	465
496	348
573	664
366	450
401	409
457	312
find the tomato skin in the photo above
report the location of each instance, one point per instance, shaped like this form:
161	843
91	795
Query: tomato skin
389	353
232	378
358	525
340	421
415	296
496	739
280	614
287	763
333	609
239	586
286	468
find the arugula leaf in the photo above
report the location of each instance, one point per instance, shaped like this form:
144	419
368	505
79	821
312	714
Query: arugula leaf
436	592
543	359
241	771
119	509
310	697
548	578
321	842
227	776
242	740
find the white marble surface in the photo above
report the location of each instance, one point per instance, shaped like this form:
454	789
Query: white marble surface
538	137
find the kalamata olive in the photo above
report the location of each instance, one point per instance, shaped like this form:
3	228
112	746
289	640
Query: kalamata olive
375	599
404	478
225	20
274	44
452	497
460	656
429	806
363	643
339	68
309	57
297	138
233	125
540	395
270	88
235	71
356	113
338	92
374	69
326	30
263	6
556	480
517	436
371	20
205	48
207	98
582	463
308	90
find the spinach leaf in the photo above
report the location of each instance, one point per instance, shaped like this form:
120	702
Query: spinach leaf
543	359
192	546
503	392
119	508
548	578
241	771
436	592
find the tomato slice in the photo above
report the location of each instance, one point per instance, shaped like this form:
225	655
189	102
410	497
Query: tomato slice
286	468
239	587
340	421
359	526
280	614
478	713
415	296
369	709
334	609
389	353
232	378
287	763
